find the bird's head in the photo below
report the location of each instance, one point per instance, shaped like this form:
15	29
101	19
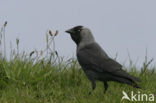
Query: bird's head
81	34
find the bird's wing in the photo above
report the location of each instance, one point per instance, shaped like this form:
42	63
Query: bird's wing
93	57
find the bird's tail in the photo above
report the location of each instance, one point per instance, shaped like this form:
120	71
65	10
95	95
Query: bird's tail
136	85
135	79
128	81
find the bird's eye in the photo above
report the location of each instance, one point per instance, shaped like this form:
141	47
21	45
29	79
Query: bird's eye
79	30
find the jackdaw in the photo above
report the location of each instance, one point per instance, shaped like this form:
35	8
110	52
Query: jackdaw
94	61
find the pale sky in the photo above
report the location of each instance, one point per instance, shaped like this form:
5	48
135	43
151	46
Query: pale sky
118	26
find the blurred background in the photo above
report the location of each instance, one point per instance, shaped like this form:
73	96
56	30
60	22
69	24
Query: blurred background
123	28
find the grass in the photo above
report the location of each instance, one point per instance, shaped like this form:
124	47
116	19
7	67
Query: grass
41	82
39	78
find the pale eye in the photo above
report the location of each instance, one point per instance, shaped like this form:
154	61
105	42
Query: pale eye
79	30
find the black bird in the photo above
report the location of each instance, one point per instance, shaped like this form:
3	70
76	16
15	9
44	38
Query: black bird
96	64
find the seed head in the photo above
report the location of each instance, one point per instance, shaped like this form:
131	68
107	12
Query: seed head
50	32
41	52
32	53
5	24
56	32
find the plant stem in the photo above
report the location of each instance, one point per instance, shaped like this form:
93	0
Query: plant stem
4	43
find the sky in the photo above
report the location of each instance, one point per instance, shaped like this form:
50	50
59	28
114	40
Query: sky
119	26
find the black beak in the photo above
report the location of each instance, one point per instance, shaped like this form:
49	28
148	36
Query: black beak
70	31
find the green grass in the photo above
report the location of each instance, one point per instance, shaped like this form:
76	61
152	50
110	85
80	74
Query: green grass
23	81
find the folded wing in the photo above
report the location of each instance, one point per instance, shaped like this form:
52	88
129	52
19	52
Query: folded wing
93	57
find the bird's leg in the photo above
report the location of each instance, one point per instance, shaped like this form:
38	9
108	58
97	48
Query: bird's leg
105	86
93	86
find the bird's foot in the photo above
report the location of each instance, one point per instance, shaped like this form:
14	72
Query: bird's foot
104	92
90	93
